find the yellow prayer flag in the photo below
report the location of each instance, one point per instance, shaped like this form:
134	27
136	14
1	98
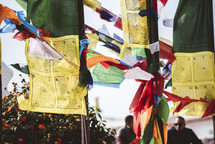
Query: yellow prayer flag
193	75
54	83
135	27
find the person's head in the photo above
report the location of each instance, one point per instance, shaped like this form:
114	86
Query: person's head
129	121
179	123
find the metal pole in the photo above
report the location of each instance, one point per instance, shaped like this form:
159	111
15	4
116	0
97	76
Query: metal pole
85	135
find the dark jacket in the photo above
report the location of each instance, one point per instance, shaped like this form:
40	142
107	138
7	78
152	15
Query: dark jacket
125	136
185	136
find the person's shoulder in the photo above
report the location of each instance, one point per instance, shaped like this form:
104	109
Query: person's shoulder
172	129
122	130
188	129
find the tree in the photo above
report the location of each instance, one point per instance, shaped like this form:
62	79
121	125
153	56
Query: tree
44	128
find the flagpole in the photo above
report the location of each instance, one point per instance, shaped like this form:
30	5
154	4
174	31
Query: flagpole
85	131
153	33
213	7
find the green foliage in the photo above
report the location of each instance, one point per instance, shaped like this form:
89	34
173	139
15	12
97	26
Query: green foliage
42	128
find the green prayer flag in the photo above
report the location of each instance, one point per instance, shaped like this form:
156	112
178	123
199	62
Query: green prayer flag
163	110
169	83
152	141
23	69
193	72
109	75
58	17
147	132
193	26
22	3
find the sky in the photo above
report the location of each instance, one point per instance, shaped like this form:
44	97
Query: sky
114	102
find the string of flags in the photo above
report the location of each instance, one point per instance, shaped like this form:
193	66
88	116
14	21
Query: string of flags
149	105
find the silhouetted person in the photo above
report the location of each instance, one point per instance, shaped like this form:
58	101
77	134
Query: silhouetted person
126	135
179	134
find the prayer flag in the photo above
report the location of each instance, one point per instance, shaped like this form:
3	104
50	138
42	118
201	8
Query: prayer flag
60	18
55	81
135	28
193	72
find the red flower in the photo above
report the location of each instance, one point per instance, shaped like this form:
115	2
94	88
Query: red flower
18	111
6	126
9	109
58	141
20	139
3	120
41	126
23	119
26	96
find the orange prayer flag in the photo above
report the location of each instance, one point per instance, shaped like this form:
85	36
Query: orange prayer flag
97	59
165	131
6	12
155	130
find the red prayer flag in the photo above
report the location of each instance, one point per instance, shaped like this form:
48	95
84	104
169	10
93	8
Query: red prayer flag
210	109
163	2
107	64
118	23
183	101
166	52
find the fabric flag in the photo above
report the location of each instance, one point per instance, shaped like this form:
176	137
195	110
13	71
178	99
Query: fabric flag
42	50
166	51
164	2
146	12
154	47
55	81
104	30
163	110
22	3
106	71
111	75
118	22
94	39
23	69
97	58
193	72
107	15
9	27
137	73
60	18
94	4
135	28
117	38
10	14
121	66
210	109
